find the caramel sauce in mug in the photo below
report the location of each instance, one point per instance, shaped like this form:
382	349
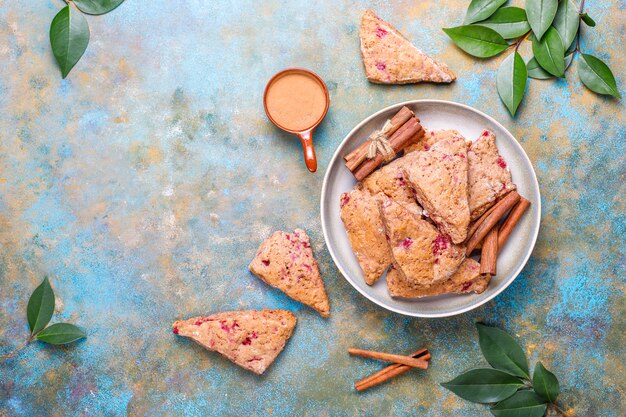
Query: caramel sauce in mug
296	101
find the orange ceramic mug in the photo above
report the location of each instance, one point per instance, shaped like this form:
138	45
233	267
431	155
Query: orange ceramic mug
296	100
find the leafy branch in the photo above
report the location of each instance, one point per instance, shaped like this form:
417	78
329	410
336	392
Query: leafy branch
508	384
554	29
39	312
69	30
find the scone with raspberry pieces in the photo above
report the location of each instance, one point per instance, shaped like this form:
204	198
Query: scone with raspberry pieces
285	261
251	339
488	175
390	58
390	181
439	178
430	138
465	280
420	253
366	233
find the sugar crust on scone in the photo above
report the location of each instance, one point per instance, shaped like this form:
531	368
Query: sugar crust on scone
489	176
390	58
440	180
466	279
285	261
251	339
366	233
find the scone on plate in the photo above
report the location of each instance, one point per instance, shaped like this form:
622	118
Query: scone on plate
390	181
390	58
251	338
285	261
361	218
466	279
439	178
430	138
420	253
488	175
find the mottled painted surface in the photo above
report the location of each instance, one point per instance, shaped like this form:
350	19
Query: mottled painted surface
143	184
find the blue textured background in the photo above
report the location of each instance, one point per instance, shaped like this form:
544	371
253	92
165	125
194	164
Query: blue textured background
144	182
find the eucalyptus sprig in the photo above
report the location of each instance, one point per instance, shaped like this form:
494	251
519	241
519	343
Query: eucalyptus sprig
69	30
39	312
554	29
508	385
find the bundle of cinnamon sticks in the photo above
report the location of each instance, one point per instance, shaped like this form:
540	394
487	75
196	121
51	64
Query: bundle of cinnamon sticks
402	130
401	363
487	229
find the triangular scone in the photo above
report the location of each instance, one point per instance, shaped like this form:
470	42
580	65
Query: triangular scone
466	279
390	181
489	176
285	261
390	58
250	338
430	138
422	254
361	218
439	178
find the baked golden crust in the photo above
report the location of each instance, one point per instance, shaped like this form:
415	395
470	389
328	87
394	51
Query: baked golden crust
390	181
430	138
285	261
489	176
422	254
439	178
361	218
251	339
390	58
465	280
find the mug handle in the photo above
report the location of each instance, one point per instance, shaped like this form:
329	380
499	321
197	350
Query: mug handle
309	151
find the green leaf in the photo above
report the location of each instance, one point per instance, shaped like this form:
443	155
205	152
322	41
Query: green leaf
522	404
540	15
61	333
567	21
545	383
597	76
501	350
511	83
569	57
69	37
535	71
484	385
509	22
478	41
481	9
588	20
550	53
40	307
97	7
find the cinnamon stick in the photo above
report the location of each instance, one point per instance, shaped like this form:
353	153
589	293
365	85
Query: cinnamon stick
389	357
386	373
356	157
392	138
511	221
409	133
389	372
489	252
479	220
499	210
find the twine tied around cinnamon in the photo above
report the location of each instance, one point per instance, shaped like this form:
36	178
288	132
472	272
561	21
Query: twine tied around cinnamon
379	143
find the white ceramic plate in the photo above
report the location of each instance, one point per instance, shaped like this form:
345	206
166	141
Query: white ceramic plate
433	114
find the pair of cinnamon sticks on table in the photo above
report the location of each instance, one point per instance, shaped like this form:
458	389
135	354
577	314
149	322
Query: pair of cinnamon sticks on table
401	363
492	235
402	130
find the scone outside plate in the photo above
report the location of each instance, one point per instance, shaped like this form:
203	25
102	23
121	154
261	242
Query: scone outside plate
433	114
